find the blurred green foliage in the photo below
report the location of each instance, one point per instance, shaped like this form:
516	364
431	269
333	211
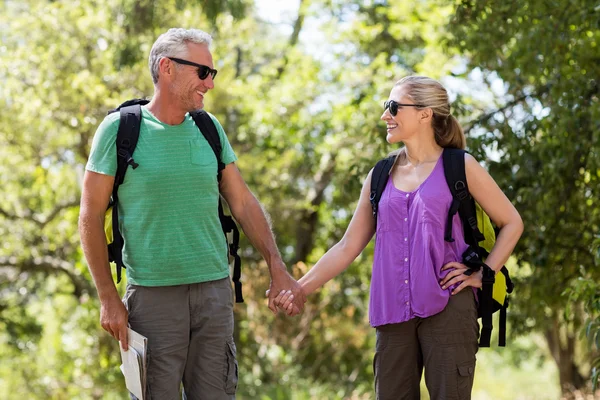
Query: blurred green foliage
305	122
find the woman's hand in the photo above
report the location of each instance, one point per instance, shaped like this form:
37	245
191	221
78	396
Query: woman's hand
284	301
457	276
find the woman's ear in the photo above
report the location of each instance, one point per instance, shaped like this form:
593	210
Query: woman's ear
425	116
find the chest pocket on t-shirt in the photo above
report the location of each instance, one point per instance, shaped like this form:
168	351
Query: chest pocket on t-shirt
201	152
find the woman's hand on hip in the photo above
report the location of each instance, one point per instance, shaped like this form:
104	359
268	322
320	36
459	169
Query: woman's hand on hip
457	277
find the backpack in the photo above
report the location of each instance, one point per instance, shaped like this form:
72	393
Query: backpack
127	137
479	234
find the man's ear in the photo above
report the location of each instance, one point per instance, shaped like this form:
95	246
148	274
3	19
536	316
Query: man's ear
165	67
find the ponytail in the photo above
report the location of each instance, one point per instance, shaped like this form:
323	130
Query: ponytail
448	132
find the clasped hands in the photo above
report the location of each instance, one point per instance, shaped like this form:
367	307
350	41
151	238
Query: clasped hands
285	294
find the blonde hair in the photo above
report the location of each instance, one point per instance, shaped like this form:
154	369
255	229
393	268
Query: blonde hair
430	93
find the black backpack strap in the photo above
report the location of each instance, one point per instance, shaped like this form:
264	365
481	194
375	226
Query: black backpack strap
379	179
209	131
127	138
486	306
462	202
502	323
132	102
502	326
228	225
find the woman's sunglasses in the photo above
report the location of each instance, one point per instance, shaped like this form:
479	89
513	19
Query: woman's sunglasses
203	70
393	106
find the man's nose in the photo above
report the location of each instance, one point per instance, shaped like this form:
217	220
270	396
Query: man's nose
208	82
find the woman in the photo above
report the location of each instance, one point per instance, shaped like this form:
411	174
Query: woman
422	304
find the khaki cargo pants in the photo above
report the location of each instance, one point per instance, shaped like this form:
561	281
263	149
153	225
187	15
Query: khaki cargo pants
190	339
444	344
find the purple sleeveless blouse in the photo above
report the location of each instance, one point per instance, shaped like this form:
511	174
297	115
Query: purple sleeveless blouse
410	250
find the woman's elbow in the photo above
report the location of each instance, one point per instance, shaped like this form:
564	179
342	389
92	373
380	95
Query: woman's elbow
349	248
518	225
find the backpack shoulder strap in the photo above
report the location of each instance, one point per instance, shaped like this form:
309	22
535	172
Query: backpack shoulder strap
462	202
127	138
379	179
208	129
126	141
132	102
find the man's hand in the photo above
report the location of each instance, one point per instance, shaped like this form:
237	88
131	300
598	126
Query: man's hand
457	275
114	318
281	280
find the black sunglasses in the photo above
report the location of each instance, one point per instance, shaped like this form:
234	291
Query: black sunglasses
203	70
393	106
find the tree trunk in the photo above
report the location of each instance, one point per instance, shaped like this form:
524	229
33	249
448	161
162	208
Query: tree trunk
562	347
305	231
302	9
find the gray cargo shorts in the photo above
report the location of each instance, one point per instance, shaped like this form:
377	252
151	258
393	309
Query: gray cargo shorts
190	339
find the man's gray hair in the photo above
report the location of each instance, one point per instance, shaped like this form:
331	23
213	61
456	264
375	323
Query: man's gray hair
173	43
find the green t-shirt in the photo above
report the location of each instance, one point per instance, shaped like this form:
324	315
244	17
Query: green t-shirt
168	206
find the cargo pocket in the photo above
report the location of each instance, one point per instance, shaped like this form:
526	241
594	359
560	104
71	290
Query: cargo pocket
231	368
466	373
128	299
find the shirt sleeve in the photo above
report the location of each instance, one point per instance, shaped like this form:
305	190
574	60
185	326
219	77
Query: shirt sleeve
103	155
227	154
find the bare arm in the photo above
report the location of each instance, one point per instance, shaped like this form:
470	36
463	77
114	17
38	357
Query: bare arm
494	202
249	213
340	256
95	195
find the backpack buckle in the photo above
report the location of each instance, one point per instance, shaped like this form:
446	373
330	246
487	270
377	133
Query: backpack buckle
461	190
128	158
488	280
489	276
374	205
472	259
472	222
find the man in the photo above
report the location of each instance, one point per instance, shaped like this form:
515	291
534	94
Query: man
179	294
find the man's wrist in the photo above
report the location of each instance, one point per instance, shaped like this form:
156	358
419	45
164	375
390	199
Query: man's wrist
108	294
276	264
